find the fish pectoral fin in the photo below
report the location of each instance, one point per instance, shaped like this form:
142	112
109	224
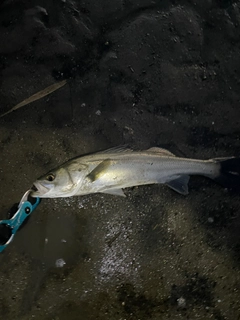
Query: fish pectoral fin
99	170
115	192
180	184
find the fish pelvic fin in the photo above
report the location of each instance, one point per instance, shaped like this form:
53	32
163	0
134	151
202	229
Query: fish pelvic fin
99	170
229	173
180	184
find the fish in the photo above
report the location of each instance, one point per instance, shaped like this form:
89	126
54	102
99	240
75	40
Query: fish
115	169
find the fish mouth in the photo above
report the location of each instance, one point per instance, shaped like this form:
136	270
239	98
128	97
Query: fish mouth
38	190
34	188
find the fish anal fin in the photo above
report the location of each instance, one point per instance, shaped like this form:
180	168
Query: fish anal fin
99	170
161	151
115	192
180	184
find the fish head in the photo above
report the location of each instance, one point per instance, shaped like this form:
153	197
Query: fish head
61	182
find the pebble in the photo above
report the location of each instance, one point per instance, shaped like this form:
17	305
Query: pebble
181	302
60	263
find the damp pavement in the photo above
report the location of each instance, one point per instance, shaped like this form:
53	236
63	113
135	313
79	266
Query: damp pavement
140	73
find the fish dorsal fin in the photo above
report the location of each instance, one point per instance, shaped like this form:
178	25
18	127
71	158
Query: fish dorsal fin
161	151
99	170
180	184
123	148
115	192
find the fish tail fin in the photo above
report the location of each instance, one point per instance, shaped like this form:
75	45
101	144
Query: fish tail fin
229	173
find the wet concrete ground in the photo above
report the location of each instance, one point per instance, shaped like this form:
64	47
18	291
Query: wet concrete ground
146	74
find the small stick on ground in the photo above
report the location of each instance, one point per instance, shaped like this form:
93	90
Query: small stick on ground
37	96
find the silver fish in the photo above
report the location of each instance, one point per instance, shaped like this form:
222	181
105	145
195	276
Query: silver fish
112	170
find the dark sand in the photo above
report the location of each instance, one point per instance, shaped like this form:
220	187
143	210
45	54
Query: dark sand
141	73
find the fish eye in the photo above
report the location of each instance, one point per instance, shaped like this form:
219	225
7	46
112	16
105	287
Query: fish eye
50	177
